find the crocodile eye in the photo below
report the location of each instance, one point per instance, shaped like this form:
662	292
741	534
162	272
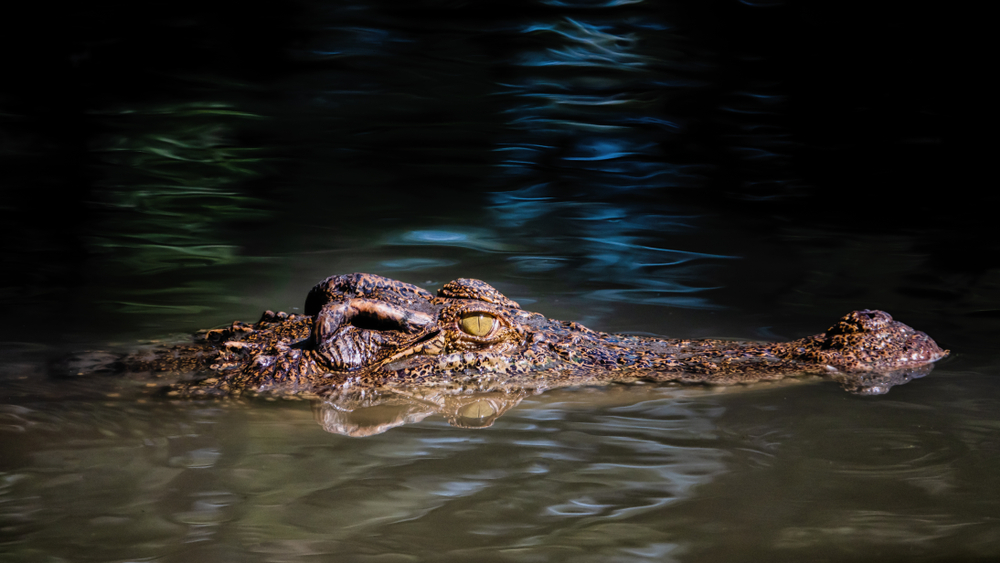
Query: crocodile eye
477	324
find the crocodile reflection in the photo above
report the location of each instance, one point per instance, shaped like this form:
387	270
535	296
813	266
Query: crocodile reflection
391	351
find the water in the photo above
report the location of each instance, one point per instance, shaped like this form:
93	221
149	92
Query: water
747	170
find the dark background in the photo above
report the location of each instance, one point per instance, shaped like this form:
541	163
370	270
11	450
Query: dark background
809	122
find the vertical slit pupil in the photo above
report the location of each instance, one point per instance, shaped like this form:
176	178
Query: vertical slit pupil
477	324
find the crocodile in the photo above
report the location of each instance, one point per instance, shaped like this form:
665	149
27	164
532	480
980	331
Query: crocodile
364	339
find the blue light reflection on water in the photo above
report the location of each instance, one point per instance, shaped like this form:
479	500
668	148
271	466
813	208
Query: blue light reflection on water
484	240
585	136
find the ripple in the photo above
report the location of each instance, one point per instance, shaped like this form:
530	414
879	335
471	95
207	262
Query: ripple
410	264
201	458
534	264
883	451
578	507
477	239
857	530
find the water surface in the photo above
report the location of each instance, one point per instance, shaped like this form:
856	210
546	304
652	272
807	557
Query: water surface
740	170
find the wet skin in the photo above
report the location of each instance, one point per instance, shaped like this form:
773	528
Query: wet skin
365	336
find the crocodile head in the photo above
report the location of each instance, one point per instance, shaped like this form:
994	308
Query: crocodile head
469	334
366	324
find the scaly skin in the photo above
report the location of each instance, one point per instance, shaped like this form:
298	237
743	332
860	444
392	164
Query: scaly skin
364	336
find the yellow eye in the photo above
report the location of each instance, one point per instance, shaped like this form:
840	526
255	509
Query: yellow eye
477	324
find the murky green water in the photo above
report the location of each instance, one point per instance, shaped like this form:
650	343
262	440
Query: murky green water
628	473
662	168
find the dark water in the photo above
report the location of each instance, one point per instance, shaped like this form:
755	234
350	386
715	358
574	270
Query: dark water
714	169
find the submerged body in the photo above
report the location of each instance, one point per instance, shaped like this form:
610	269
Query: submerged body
363	336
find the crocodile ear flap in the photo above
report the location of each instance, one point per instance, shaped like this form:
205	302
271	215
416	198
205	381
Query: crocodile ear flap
466	288
336	289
